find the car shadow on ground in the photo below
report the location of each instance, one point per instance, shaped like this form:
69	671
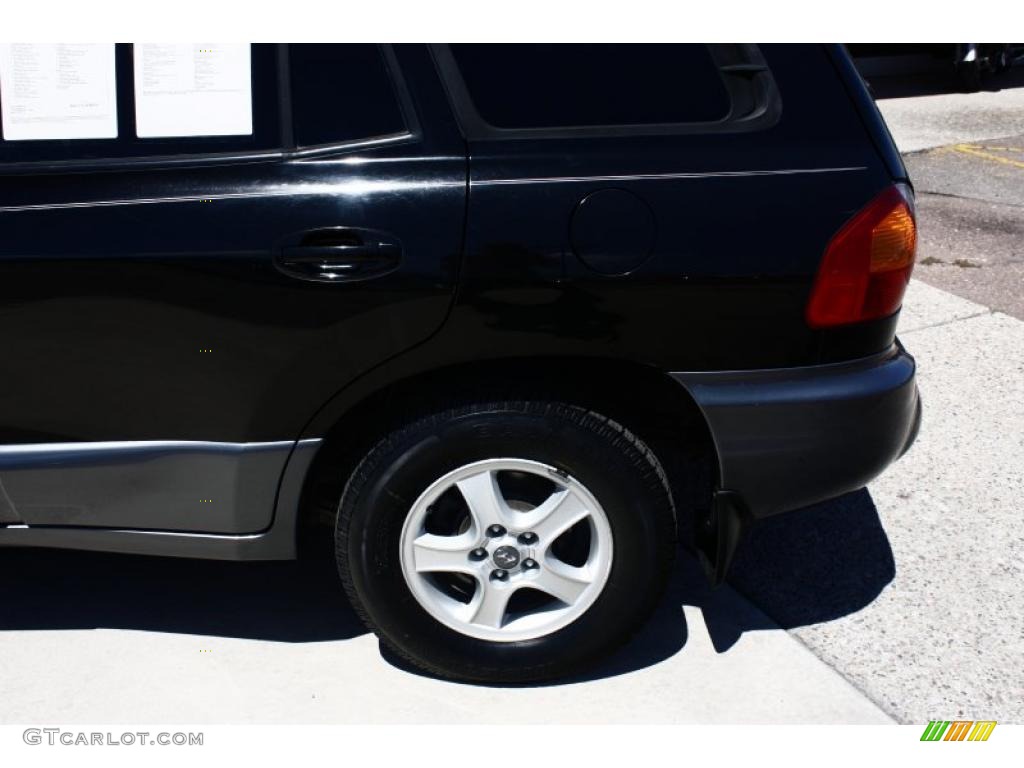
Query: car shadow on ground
817	564
802	568
277	601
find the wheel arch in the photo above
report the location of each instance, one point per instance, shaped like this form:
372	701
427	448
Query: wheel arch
642	398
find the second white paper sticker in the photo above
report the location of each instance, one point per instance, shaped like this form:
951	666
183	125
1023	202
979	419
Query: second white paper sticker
193	89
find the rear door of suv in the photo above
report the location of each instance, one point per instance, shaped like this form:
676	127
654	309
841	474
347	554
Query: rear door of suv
174	309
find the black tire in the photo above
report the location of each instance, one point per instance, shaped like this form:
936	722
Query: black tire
970	76
1002	61
617	468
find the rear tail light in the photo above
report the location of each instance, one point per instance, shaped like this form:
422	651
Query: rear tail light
867	263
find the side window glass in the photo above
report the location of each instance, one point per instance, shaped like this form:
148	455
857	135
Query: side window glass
341	92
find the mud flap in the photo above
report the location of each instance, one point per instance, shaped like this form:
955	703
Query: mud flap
718	533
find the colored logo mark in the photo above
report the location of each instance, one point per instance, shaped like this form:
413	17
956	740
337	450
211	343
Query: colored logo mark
958	730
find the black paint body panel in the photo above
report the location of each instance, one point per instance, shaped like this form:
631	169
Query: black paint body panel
143	302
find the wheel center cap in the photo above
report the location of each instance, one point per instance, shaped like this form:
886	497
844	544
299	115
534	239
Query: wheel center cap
506	557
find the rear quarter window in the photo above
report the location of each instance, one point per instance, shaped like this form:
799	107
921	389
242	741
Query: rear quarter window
558	85
587	89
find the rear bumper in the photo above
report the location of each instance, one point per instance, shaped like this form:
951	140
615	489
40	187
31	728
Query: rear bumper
792	437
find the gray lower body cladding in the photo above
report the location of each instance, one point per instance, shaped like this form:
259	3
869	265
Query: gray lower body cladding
189	498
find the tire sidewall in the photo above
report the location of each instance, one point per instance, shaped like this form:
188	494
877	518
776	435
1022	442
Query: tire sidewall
380	497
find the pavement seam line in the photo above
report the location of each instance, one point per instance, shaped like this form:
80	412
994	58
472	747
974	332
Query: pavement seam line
947	322
853	684
951	196
808	649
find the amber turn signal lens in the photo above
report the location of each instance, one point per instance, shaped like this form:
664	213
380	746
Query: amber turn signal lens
894	240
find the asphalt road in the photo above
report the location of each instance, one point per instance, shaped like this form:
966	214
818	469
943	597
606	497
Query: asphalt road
970	198
965	155
902	602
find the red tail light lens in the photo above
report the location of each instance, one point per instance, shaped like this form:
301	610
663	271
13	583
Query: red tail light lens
867	264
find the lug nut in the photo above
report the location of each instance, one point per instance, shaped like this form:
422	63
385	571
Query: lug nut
478	554
528	538
495	531
499	575
529	564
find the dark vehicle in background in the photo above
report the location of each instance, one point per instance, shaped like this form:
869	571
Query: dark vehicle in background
974	61
970	63
496	322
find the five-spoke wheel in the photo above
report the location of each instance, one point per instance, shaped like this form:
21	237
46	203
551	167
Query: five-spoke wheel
506	546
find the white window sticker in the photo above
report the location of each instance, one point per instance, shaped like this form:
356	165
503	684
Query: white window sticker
195	89
57	91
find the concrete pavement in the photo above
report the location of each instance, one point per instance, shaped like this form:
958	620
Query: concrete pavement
922	573
107	639
923	113
88	643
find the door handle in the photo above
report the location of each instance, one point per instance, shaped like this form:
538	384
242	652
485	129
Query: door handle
339	255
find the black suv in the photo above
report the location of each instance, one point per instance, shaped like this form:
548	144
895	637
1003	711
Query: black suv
498	322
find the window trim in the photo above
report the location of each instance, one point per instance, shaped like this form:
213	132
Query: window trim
745	76
285	152
402	96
